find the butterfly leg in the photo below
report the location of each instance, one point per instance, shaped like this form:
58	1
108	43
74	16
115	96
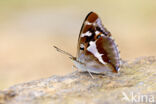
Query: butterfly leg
87	71
80	63
90	74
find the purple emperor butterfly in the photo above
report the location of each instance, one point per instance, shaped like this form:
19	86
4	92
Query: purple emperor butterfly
96	50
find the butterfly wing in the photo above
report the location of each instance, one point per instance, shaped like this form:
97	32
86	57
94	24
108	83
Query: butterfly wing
95	44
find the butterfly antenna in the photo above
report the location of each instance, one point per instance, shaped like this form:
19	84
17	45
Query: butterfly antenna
64	52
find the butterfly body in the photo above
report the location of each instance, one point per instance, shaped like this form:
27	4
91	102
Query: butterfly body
93	67
97	52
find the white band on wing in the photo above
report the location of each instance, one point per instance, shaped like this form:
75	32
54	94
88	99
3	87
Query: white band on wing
88	23
88	33
93	49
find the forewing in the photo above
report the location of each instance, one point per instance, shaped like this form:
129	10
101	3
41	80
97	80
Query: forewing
95	41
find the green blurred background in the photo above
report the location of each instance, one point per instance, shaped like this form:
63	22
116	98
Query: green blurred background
29	29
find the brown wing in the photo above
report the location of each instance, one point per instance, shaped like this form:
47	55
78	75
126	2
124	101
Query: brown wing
96	40
88	26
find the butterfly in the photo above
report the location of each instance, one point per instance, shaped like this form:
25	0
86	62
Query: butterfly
97	51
